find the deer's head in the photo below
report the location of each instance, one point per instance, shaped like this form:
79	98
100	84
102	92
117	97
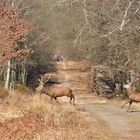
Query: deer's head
41	82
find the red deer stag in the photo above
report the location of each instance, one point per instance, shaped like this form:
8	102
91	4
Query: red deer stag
54	91
132	95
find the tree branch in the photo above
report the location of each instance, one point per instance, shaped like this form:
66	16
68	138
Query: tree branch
86	23
125	15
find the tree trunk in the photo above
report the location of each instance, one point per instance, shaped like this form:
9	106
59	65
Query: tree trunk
7	81
23	74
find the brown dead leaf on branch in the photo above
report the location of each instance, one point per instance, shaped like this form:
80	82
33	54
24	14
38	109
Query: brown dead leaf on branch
23	127
21	53
14	30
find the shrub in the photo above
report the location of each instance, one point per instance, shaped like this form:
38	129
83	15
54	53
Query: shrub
22	88
3	92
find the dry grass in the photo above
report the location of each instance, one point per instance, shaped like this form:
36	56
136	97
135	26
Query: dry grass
3	92
33	117
83	65
22	127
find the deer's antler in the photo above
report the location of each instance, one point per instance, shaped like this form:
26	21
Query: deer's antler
44	79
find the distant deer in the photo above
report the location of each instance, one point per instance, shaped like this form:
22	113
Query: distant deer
54	91
132	95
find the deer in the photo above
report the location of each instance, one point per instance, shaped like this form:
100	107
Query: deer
54	91
132	95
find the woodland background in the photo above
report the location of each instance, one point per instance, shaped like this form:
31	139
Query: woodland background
103	32
100	44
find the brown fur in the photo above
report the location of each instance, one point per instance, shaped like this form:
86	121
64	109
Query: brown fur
133	97
55	92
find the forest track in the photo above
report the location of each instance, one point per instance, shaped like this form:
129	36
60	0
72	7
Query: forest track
121	125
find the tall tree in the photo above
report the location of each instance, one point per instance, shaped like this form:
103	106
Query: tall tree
14	30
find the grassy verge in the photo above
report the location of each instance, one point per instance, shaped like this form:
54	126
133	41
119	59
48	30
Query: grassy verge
33	117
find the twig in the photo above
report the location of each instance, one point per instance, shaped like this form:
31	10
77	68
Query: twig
110	32
125	15
116	4
79	35
86	23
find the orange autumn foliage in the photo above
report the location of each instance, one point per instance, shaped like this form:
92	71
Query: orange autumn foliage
14	30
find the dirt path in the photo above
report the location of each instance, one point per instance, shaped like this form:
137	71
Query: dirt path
120	124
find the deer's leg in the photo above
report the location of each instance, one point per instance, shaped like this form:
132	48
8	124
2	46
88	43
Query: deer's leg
70	99
73	99
129	105
56	99
126	103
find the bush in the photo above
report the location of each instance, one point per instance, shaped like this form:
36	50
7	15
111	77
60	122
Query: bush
22	88
123	95
3	92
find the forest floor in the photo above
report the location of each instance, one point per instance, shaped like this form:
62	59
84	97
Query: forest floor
30	116
121	125
26	115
